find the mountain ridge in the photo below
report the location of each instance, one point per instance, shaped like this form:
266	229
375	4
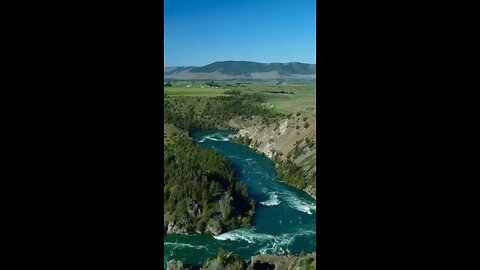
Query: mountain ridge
242	70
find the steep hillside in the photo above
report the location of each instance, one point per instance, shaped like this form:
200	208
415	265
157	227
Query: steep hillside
291	142
201	193
245	67
197	113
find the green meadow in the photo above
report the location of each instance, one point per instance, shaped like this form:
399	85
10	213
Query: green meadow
285	98
288	98
181	89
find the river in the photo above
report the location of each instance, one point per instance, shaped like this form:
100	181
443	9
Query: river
284	221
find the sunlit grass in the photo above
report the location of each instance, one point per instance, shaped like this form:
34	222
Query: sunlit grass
298	97
182	90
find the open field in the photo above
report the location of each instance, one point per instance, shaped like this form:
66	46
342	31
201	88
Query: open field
296	97
285	98
181	89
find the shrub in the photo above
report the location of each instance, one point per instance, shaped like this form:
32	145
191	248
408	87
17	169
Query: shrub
222	257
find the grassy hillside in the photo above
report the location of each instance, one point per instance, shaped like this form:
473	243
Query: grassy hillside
243	70
197	113
246	67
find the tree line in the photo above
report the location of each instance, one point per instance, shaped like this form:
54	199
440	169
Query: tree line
200	187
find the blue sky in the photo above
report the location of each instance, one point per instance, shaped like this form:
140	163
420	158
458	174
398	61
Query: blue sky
199	32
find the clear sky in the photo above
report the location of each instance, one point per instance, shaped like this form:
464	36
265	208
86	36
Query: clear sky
199	32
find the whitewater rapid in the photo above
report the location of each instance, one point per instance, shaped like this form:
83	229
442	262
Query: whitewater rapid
284	221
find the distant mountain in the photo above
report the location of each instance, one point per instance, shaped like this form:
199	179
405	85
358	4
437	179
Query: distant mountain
243	70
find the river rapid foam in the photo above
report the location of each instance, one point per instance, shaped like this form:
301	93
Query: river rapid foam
284	221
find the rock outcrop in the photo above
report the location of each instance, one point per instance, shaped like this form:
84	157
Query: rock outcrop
230	261
280	262
177	265
288	140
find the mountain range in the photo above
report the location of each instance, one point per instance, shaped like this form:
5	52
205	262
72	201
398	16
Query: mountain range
243	70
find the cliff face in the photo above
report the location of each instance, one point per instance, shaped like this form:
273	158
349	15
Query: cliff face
284	262
291	142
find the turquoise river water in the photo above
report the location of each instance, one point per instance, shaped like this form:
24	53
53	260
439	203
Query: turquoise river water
284	221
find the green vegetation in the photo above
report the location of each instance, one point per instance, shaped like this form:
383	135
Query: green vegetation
229	261
201	193
198	113
232	92
294	174
208	89
185	91
247	67
171	131
286	98
309	143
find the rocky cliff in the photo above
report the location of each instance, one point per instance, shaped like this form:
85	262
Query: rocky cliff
291	142
284	262
230	261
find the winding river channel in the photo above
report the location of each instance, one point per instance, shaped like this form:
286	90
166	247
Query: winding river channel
284	222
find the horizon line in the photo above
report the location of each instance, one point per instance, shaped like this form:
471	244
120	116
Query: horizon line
242	61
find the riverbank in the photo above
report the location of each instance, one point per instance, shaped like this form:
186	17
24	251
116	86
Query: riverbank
289	142
201	192
284	221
